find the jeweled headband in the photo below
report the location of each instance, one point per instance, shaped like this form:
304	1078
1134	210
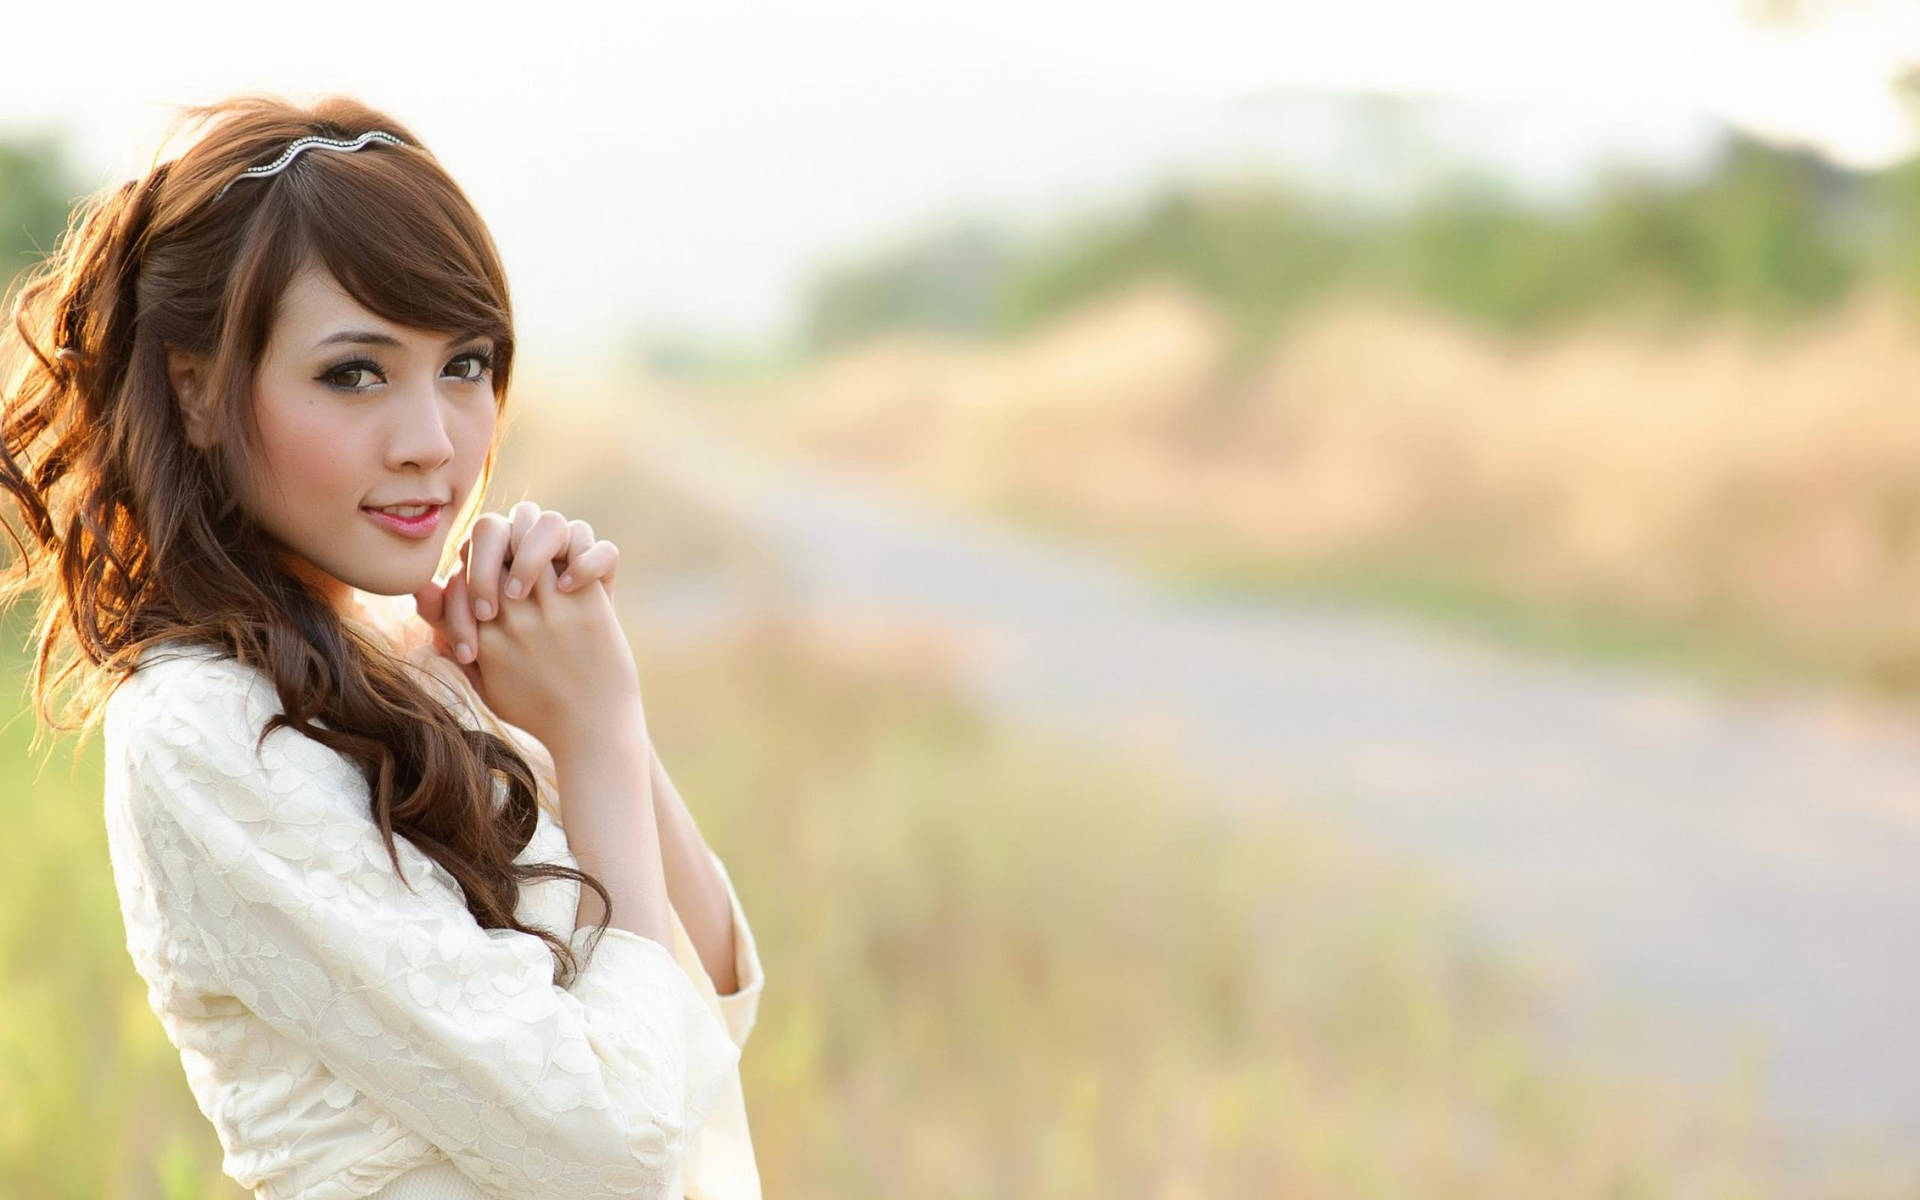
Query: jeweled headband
306	143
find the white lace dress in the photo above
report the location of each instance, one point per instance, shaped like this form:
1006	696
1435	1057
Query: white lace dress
351	1036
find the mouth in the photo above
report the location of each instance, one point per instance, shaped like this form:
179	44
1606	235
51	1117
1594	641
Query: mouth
414	521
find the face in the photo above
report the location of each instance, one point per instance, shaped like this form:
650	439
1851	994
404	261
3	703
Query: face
354	413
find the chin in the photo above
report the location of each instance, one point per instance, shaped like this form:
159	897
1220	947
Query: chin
397	582
401	586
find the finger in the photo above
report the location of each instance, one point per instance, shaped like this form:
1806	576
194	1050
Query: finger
546	584
596	562
461	630
433	612
486	551
534	552
579	544
430	601
521	517
437	630
444	646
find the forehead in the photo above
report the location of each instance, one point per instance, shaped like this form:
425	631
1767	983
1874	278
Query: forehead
315	304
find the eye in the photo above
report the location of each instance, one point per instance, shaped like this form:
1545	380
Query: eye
341	376
334	376
483	364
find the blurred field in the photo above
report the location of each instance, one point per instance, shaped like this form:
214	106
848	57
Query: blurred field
1670	420
1744	501
997	964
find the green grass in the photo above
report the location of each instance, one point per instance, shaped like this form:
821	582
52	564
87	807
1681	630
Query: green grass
94	1103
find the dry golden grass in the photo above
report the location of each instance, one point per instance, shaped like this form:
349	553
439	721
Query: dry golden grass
1734	485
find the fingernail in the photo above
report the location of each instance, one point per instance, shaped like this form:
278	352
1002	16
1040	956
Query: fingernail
483	609
464	651
514	588
566	581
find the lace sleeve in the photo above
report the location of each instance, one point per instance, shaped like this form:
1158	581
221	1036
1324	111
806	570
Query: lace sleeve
270	862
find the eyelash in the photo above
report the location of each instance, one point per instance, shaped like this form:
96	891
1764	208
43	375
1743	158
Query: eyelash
366	364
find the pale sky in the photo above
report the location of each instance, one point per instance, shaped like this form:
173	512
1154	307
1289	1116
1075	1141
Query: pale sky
687	166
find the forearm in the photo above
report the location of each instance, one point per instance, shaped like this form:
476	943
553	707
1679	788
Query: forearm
607	802
646	864
699	895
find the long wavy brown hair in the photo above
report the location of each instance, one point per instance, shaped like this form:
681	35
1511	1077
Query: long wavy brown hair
131	537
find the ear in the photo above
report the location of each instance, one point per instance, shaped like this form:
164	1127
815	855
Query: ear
188	374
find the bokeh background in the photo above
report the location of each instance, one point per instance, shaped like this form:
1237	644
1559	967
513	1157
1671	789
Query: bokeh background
1262	600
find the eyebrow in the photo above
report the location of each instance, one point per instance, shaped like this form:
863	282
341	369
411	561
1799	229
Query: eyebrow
373	337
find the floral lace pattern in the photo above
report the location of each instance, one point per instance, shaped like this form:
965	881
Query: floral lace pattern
339	1027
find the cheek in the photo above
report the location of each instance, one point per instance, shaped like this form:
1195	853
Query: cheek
472	435
310	460
474	429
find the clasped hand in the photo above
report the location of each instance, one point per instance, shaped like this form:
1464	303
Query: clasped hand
528	616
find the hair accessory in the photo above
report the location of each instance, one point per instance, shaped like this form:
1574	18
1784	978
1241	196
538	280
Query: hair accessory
298	144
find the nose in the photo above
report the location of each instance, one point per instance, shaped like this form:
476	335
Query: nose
420	437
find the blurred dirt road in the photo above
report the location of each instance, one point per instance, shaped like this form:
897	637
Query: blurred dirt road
1749	866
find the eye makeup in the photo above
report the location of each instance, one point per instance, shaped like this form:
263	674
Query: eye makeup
347	366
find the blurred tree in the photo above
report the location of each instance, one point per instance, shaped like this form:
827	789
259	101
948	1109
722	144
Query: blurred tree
1759	236
1257	248
681	353
1478	252
1767	228
1768	234
37	191
944	282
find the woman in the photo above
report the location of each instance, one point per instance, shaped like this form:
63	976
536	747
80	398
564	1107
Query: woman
246	398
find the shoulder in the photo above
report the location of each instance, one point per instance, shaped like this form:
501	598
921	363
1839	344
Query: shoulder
183	742
187	679
193	701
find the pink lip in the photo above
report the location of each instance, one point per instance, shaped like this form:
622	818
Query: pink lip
416	527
